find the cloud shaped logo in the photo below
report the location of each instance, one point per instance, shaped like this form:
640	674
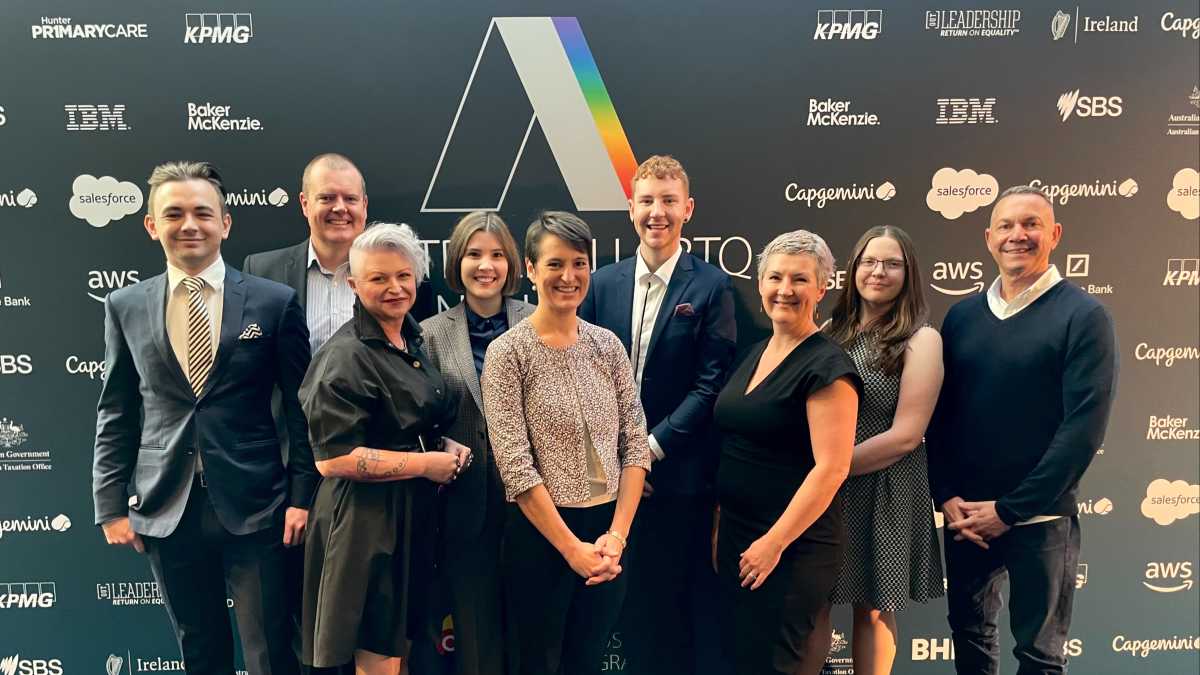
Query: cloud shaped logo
278	197
100	201
1170	500
1184	195
27	198
953	193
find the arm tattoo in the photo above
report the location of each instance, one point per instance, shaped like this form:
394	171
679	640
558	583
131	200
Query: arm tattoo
372	466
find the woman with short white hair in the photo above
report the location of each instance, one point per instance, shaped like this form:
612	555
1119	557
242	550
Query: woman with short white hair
377	412
787	415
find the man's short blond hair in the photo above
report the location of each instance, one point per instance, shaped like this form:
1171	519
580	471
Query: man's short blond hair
661	167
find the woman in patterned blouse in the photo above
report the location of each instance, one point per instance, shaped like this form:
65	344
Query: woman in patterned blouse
569	438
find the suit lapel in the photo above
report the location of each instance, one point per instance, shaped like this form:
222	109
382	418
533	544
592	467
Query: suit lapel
231	320
622	323
296	272
464	358
156	306
680	279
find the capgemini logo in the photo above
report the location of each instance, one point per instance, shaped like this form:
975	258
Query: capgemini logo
1059	24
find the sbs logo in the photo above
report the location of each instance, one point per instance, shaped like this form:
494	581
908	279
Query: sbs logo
1161	577
16	364
15	665
1071	103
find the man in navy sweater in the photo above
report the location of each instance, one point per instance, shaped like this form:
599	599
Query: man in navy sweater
1031	370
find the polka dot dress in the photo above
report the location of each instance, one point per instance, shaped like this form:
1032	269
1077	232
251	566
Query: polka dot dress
892	552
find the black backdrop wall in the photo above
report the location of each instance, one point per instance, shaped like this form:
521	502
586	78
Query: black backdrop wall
826	116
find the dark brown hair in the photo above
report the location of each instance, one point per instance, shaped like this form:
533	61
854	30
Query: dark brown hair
467	226
908	312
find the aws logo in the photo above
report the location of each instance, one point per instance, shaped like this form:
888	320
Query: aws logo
1165	574
102	282
957	274
557	86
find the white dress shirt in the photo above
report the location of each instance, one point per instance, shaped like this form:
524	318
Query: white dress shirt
649	290
177	308
1004	309
330	301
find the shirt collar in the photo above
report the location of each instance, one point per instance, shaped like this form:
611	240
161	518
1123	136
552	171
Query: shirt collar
477	322
368	328
1026	297
312	259
664	271
213	275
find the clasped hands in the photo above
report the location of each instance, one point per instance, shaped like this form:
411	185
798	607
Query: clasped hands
976	522
597	562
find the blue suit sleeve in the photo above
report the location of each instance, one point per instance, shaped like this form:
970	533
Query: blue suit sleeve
292	358
118	423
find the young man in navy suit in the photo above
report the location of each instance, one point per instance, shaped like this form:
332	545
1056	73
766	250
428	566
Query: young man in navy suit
187	465
674	313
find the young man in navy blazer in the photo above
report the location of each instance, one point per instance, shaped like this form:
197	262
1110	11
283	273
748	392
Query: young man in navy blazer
187	465
674	313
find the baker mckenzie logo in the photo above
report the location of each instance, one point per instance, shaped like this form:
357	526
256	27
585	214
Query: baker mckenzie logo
277	198
947	275
848	24
15	458
1187	27
1062	21
1171	428
1064	192
974	23
24	198
834	113
227	28
1184	195
966	111
129	593
212	117
1070	103
27	595
1167	501
1182	272
28	524
99	117
64	28
953	192
571	105
1169	577
820	196
102	200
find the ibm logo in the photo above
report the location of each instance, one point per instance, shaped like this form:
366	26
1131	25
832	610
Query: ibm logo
218	28
96	117
27	595
966	111
848	24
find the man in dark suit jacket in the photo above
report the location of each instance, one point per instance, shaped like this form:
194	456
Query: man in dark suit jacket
674	313
187	461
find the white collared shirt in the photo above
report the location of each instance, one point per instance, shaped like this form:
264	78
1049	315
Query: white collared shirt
330	300
1004	309
177	308
649	290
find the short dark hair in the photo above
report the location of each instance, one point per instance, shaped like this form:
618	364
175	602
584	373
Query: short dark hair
566	226
1025	190
182	170
467	226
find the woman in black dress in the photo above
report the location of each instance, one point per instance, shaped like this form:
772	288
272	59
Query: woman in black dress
787	416
376	413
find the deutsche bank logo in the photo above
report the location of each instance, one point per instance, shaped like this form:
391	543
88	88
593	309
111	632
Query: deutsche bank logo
848	24
558	86
95	117
218	28
966	111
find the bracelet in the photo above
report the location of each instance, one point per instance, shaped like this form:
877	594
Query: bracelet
617	535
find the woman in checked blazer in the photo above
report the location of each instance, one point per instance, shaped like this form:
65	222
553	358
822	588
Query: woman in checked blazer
483	265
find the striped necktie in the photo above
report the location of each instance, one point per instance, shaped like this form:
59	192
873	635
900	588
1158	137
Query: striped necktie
199	335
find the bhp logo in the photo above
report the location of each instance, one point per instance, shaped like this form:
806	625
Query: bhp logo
562	92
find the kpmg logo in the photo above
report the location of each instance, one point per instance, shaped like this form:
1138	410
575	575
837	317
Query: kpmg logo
820	196
1167	501
212	117
1184	195
15	665
1064	192
129	593
25	198
216	28
277	198
102	200
974	23
562	85
64	28
27	595
836	113
100	117
1070	103
966	111
957	273
1169	577
1182	272
1186	27
1061	22
848	24
953	192
102	282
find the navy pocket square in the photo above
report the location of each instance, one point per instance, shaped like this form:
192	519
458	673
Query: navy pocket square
685	310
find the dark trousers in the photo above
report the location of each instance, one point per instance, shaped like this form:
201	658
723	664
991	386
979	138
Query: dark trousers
556	625
472	570
194	566
1040	562
669	623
